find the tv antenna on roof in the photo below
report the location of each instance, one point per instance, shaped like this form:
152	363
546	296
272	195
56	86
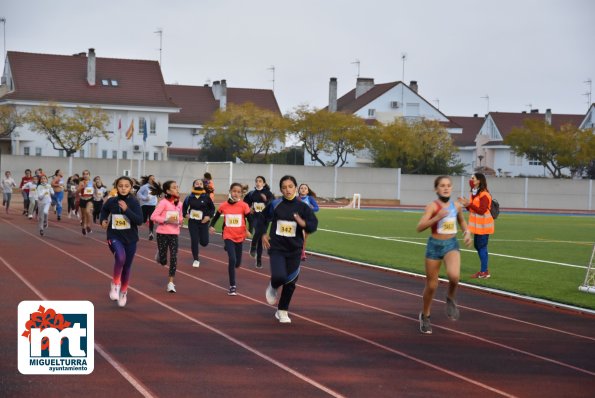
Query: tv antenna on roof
159	31
272	68
358	65
403	58
588	93
530	106
487	98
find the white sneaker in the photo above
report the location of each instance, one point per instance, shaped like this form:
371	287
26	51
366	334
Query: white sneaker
282	316
171	287
114	291
271	295
122	299
196	264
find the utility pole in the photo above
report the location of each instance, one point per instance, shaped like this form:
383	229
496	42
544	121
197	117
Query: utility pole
358	64
487	98
3	20
272	69
403	58
588	93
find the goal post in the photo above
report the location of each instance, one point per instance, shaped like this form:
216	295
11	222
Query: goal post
588	285
356	201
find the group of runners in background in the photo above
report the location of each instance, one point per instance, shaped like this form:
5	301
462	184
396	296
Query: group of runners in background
280	225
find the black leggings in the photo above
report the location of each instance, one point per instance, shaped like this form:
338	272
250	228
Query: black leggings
147	211
165	241
199	233
234	253
285	269
260	228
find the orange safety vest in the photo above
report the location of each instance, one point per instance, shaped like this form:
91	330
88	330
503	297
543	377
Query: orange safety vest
481	224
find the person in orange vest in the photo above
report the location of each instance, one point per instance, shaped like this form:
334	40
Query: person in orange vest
481	223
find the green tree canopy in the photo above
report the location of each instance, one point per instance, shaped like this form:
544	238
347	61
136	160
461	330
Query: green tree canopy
9	120
422	147
556	149
334	133
68	131
244	131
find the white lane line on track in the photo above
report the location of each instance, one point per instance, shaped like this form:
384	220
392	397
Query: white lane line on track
484	340
267	358
138	385
465	250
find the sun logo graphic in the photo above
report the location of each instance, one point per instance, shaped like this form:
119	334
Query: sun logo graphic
56	337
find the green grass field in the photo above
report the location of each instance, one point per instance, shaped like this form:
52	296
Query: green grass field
388	238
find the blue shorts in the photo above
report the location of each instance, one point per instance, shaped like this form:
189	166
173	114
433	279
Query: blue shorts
436	249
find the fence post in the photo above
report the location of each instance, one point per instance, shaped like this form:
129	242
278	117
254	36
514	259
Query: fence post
335	184
526	192
399	185
590	207
271	175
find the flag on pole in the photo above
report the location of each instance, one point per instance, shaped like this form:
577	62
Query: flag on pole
130	131
145	130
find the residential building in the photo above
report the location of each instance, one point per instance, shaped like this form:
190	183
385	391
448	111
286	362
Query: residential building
198	104
131	92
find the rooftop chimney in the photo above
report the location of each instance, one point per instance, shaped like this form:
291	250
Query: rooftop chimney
548	116
223	95
413	85
91	67
363	85
332	95
216	89
534	110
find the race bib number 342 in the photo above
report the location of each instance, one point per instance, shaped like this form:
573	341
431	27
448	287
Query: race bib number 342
286	228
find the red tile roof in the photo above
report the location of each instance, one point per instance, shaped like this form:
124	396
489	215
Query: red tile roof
198	103
470	125
506	121
349	104
62	78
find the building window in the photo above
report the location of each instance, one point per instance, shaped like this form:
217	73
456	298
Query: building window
124	155
26	151
61	153
37	151
515	160
114	83
104	153
141	125
146	155
153	129
534	162
371	112
104	82
155	155
82	153
114	154
412	109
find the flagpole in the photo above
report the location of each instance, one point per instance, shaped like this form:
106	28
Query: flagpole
118	151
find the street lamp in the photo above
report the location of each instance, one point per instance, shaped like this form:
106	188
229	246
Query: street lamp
168	143
480	157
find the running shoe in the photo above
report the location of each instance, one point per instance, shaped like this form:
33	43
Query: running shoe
424	324
485	275
114	291
253	251
282	316
476	275
30	216
59	218
122	299
259	264
232	291
196	264
151	237
89	230
452	311
84	232
41	232
171	288
271	294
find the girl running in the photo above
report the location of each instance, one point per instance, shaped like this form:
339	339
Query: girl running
85	191
31	186
58	186
121	216
289	217
257	200
44	200
71	186
442	216
99	192
25	191
147	200
199	209
7	185
168	216
307	196
234	213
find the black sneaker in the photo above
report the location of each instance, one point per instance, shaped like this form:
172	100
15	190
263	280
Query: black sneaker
59	218
151	236
259	264
41	232
232	291
424	324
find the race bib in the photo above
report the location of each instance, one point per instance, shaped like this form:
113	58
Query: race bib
196	214
73	188
447	226
258	207
120	221
233	220
171	213
286	228
32	190
88	191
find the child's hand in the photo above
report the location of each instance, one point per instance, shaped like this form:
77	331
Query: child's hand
265	242
104	224
248	234
212	230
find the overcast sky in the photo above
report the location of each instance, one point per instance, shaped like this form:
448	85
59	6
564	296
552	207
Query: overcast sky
520	53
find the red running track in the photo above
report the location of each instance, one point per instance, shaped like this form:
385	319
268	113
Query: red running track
354	331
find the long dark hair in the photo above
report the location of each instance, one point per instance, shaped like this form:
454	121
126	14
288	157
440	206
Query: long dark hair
265	186
158	190
287	177
483	182
310	191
